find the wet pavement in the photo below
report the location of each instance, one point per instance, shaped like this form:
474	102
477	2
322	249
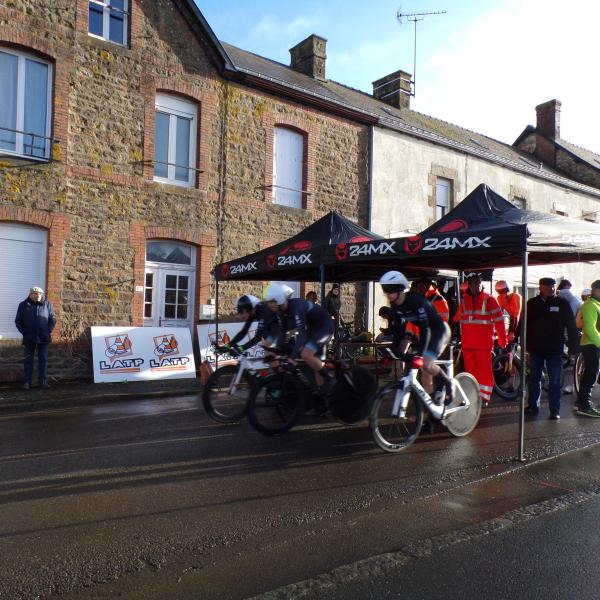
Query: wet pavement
147	498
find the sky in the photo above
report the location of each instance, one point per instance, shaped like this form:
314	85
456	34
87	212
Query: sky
484	65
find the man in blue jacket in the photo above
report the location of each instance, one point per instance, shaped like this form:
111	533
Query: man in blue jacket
35	320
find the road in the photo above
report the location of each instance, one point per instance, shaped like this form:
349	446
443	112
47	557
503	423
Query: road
150	499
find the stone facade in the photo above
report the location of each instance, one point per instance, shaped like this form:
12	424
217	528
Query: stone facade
98	199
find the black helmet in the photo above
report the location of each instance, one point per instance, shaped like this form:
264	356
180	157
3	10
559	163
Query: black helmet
247	302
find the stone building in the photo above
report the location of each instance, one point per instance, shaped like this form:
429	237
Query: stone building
135	154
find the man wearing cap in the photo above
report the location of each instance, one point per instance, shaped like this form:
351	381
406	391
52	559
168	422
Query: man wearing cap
590	350
35	320
548	316
480	315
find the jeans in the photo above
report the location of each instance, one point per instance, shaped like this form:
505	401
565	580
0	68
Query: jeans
534	383
42	350
591	361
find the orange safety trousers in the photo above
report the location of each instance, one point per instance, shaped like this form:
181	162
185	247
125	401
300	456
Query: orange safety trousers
479	364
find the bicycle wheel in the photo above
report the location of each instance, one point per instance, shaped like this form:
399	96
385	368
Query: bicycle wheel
275	403
219	403
391	433
351	395
507	377
577	373
462	422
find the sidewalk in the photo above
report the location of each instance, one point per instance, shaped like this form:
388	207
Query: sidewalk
14	399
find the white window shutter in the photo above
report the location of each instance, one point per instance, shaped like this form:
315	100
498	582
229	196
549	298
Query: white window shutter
288	155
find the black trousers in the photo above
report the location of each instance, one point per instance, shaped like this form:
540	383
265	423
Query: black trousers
591	361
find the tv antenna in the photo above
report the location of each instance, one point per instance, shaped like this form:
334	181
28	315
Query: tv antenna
415	18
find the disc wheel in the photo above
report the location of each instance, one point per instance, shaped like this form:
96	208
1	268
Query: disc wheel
219	402
351	397
507	376
392	433
275	403
462	422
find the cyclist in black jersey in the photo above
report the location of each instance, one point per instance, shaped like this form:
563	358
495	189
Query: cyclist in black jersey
252	310
410	307
313	324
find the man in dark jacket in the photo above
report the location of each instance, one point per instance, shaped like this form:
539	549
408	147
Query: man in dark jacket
35	320
547	318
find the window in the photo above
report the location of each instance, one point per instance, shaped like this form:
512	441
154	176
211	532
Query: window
25	96
175	141
108	20
443	188
288	167
519	202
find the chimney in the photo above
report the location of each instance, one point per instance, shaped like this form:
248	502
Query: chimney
309	56
548	119
394	89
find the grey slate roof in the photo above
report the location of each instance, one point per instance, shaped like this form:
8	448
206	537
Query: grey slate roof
406	121
585	155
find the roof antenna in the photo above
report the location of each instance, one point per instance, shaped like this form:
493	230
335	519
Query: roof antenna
414	17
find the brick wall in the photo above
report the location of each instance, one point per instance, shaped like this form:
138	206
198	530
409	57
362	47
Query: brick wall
98	201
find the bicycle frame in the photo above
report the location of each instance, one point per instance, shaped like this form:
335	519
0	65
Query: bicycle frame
411	384
243	362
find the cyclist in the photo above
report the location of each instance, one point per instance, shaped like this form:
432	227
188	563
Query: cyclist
511	302
313	323
410	307
252	310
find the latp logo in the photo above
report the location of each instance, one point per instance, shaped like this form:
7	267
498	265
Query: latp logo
341	251
225	270
165	345
452	226
118	346
413	244
166	348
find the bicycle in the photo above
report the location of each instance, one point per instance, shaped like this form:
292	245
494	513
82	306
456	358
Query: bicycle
506	366
225	393
397	414
277	401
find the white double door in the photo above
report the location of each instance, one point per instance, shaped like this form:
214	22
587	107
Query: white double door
169	296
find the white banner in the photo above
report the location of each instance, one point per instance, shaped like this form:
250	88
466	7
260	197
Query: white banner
142	353
208	335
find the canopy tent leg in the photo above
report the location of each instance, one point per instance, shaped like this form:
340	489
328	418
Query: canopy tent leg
322	272
216	320
520	450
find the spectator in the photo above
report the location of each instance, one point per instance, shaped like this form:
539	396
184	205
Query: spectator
387	334
428	287
312	297
35	320
548	315
585	294
564	291
479	316
333	304
590	350
512	303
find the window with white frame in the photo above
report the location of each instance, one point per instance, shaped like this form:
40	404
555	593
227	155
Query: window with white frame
25	104
443	193
108	20
175	140
288	163
519	202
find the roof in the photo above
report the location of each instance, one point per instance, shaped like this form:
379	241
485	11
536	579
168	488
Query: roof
585	155
403	120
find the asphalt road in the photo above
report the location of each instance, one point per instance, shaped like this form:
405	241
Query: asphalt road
150	499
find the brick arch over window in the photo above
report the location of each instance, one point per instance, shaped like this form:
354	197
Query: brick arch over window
205	248
207	115
310	131
62	59
58	226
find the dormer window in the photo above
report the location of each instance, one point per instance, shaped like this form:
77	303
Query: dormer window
108	20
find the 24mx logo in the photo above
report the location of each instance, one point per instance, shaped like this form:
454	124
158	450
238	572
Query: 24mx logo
454	243
237	269
288	261
380	248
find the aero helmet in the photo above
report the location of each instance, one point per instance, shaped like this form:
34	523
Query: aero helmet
247	302
393	282
277	292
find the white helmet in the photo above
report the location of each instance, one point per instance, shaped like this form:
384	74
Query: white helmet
502	285
393	282
247	302
277	292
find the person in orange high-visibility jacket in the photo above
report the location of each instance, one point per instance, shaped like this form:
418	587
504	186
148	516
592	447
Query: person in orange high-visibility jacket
512	303
479	315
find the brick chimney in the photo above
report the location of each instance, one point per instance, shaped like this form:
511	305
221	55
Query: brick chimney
309	56
394	89
548	119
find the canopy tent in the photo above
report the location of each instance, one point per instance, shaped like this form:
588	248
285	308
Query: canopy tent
483	231
298	258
